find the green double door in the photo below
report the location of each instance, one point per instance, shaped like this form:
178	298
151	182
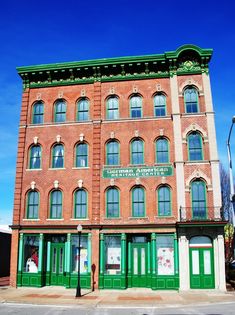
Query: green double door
139	259
57	263
201	268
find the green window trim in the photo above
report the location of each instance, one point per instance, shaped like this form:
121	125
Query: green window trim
199	200
137	151
35	155
83	110
112	203
164	201
162	151
38	113
112	108
191	100
113	153
60	111
56	204
58	156
195	146
138	202
81	159
136	110
33	201
160	105
80	204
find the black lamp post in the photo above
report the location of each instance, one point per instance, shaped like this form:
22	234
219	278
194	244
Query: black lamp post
79	229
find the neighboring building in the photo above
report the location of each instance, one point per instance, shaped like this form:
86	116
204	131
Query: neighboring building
127	148
5	252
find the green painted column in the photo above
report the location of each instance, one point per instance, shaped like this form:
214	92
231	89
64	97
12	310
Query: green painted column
89	252
123	253
68	253
101	254
149	255
48	256
20	255
154	253
129	257
176	255
41	254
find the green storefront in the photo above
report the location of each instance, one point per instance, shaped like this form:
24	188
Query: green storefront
127	260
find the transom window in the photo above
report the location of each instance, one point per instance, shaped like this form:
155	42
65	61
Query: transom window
38	113
58	156
136	106
138	202
82	155
56	204
60	111
198	193
164	201
137	151
112	202
35	157
112	108
83	110
191	100
112	153
195	146
159	105
80	210
162	151
32	204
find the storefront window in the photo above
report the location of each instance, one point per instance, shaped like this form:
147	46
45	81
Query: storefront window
113	255
165	255
83	254
30	258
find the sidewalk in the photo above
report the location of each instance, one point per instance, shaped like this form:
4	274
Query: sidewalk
112	298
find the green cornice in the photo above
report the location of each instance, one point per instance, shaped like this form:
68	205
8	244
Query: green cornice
187	59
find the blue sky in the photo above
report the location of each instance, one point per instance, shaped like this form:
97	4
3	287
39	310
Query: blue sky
37	32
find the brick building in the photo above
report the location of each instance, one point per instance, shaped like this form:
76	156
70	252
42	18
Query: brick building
126	147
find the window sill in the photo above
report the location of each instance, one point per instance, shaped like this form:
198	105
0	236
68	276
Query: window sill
136	218
196	162
33	169
80	168
25	220
164	217
79	219
112	218
55	219
56	168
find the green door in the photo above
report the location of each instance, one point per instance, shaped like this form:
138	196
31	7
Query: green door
139	265
57	264
202	268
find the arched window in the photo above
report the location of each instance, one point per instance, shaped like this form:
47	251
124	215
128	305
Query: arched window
137	151
35	157
138	202
38	113
81	155
80	204
32	204
60	111
56	204
83	110
164	201
191	100
136	106
112	203
58	156
198	196
159	105
195	146
112	108
162	151
112	153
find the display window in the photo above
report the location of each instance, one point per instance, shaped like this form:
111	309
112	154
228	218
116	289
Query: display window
165	255
83	254
112	255
31	250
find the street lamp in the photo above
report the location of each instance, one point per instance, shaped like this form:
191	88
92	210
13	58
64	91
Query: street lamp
232	201
79	229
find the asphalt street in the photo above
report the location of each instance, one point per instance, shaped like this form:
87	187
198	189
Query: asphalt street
226	308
